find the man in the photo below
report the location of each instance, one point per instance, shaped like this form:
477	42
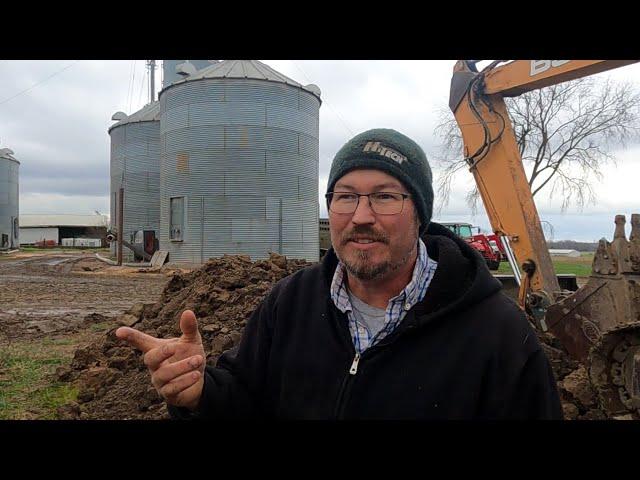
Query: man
400	320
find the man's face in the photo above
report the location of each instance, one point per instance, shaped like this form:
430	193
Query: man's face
371	245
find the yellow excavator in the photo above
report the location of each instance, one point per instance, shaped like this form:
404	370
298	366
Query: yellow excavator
599	324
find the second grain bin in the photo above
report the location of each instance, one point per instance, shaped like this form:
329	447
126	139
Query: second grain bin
239	164
9	228
135	166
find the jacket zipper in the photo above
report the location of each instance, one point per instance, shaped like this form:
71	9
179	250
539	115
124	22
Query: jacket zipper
354	366
353	370
351	373
349	377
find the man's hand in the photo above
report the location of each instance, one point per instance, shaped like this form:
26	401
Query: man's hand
176	364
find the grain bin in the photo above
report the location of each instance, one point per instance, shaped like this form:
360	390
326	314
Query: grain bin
135	166
9	227
239	164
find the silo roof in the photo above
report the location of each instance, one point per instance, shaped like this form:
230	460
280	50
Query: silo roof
252	69
62	220
148	113
7	155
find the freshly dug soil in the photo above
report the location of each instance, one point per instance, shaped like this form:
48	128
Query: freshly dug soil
579	399
115	384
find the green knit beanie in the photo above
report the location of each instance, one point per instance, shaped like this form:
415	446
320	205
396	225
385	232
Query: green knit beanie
393	153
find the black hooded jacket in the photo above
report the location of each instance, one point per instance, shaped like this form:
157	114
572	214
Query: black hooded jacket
465	352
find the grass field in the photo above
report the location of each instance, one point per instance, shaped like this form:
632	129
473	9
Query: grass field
580	266
29	389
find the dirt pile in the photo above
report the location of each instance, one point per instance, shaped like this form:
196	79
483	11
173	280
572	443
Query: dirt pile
113	381
579	399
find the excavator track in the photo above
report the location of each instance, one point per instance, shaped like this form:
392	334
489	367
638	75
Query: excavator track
614	371
599	324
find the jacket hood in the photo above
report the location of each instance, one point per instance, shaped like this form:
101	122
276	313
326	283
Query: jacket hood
461	279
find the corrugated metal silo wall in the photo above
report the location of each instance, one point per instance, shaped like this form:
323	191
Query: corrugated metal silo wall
244	154
9	207
135	158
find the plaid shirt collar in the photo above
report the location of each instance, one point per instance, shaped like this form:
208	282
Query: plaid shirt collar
398	306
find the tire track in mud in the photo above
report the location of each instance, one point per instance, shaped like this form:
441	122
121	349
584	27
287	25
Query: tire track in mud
49	294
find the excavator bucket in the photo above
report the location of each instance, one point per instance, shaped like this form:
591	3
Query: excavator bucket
599	324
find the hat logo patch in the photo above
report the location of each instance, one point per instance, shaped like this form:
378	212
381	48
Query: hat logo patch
377	147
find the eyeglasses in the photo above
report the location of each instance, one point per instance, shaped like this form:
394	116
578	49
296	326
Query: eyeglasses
382	203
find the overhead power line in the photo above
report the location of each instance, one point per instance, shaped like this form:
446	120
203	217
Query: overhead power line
38	83
324	100
144	75
133	82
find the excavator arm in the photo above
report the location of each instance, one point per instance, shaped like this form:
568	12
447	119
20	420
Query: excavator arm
600	323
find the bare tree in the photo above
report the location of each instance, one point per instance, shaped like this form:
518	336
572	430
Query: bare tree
564	133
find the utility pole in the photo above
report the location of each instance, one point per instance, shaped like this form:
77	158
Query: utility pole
120	223
151	65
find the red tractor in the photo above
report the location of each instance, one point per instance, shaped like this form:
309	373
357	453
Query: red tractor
488	246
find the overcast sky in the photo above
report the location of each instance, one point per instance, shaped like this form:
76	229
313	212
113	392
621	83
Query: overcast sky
55	114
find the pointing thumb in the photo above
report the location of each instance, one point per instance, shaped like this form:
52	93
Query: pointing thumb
189	326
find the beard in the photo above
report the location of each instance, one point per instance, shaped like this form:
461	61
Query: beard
360	264
362	268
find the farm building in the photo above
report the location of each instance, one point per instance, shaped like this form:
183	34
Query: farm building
57	229
563	252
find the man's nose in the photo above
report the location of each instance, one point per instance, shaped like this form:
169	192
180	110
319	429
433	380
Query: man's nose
363	214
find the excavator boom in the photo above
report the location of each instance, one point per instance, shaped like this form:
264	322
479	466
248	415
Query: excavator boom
599	324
